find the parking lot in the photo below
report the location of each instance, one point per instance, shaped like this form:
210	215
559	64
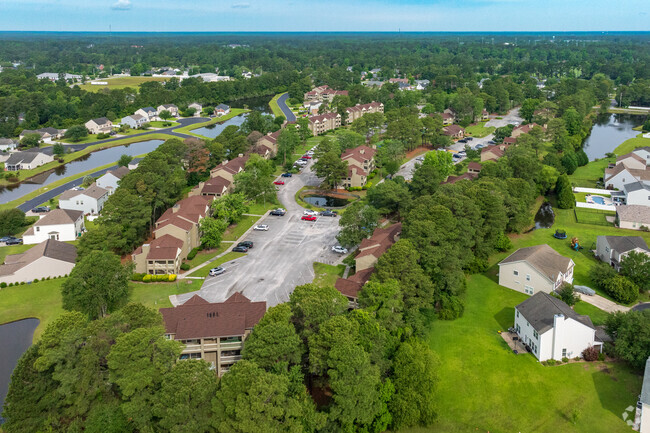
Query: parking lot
281	258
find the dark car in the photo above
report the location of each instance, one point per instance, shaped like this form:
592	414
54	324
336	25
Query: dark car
41	209
469	138
247	244
239	249
492	142
277	212
287	174
328	213
6	238
14	241
462	140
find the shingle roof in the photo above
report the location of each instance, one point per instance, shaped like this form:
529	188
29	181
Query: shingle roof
635	186
468	176
119	172
215	185
49	248
623	244
59	216
101	120
322	117
631	155
22	157
380	241
634	213
543	258
165	247
361	107
476	166
148	109
93	191
222	107
452	130
361	153
541	308
197	319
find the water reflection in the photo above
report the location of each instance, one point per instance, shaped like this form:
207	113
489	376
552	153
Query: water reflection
609	131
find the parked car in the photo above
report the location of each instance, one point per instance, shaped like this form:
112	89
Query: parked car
247	244
462	140
41	209
492	142
278	212
239	249
287	174
480	146
217	271
457	156
309	218
469	138
462	153
306	157
420	158
261	227
278	182
14	241
329	213
6	238
310	152
339	249
310	212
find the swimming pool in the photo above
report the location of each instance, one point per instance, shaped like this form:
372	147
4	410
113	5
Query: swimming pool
598	199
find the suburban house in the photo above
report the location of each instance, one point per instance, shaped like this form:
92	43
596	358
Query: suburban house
58	224
453	131
176	233
47	134
485	115
421	84
644	400
173	109
643	152
635	217
493	152
324	122
509	141
523	129
7	144
26	160
214	332
99	126
621	174
360	110
465	176
613	249
109	181
198	107
447	119
535	269
149	112
49	259
135	121
452	113
369	252
134	163
636	193
270	142
213	187
552	330
221	110
360	163
632	160
474	167
90	200
324	93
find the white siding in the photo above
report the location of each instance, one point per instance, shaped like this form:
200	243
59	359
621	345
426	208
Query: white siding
522	277
88	205
108	180
40	268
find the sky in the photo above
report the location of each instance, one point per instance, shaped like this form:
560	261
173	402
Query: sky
324	15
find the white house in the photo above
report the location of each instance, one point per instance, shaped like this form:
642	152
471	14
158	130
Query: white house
173	109
633	217
134	163
613	249
198	107
8	144
149	112
535	269
109	181
644	399
47	134
58	224
221	110
49	259
135	121
90	200
26	160
99	126
552	329
637	193
644	153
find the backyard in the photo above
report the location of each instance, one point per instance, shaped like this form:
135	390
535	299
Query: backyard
119	83
485	387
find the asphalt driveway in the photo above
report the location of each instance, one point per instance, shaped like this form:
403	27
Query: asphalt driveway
282	103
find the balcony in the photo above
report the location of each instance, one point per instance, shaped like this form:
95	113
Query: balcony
229	359
231	345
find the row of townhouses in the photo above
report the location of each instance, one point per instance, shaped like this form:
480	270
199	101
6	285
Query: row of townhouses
361	161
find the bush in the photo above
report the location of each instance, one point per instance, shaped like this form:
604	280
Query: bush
551	362
590	354
503	243
103	136
185	266
192	254
565	359
3	285
601	356
11	284
35	280
137	277
354	188
172	277
621	289
146	278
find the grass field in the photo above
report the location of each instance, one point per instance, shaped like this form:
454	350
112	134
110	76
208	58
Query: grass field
188	129
119	83
485	387
587	176
479	130
326	275
275	108
159	124
593	216
205	255
632	143
234	233
597	315
204	271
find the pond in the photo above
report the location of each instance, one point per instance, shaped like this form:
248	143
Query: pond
545	217
15	339
85	163
258	104
326	201
609	131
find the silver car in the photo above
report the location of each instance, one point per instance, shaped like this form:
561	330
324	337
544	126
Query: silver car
339	249
261	227
217	271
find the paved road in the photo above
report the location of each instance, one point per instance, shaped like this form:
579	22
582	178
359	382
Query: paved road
282	103
603	303
282	257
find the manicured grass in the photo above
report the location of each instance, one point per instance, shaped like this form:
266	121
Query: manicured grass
597	315
205	255
479	130
632	143
187	129
326	275
159	124
234	233
587	176
91	138
275	108
204	271
303	203
156	295
119	83
593	216
485	387
261	208
12	249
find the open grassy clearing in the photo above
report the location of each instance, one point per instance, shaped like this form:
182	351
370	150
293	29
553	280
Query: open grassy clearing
479	130
275	108
326	275
161	124
235	232
119	83
587	176
205	255
204	271
156	295
632	143
485	387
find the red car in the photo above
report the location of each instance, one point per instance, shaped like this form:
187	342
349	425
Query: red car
279	182
309	218
306	157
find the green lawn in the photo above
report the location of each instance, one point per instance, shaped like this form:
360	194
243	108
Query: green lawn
156	295
205	255
597	315
12	249
261	208
485	387
91	138
275	108
159	124
119	83
587	176
479	130
188	129
632	143
326	275
234	233
204	271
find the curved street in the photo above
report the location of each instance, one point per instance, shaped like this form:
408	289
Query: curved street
282	103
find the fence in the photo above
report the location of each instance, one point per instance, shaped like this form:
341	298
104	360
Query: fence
592	216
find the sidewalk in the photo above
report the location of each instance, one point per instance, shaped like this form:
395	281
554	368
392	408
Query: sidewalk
603	303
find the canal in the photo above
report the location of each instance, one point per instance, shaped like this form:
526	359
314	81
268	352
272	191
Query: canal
257	104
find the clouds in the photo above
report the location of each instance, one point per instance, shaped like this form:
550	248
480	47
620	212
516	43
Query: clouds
241	5
122	5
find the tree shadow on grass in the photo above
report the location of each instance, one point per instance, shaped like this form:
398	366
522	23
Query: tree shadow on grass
505	317
608	387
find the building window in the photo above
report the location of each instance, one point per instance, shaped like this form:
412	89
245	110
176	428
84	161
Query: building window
515	272
517	313
527	277
563	353
38	229
536	335
529	290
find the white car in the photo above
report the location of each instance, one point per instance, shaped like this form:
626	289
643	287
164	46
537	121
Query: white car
339	249
310	212
217	271
420	158
261	227
300	162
